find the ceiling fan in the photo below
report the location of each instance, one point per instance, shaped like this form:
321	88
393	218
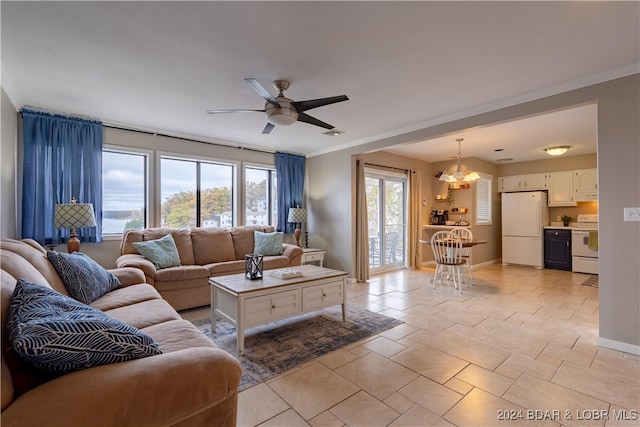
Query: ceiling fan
283	111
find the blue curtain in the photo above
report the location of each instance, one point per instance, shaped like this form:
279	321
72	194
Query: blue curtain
290	179
62	159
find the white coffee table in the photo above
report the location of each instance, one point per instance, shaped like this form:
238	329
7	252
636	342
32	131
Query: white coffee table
249	303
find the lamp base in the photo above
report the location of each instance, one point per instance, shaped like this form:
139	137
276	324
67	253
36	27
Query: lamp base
73	244
297	234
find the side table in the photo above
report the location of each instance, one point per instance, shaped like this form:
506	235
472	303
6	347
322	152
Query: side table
313	255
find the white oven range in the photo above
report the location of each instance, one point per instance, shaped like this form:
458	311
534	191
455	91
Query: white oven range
584	244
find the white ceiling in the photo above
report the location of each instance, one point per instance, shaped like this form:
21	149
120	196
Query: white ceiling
158	66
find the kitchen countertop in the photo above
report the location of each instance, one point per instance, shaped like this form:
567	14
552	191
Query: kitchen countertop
572	227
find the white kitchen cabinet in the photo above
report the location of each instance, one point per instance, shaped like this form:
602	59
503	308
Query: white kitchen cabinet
560	186
585	185
536	181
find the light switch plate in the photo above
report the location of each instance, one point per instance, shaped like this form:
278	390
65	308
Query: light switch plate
631	214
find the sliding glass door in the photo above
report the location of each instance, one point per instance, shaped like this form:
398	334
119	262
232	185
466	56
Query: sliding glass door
387	213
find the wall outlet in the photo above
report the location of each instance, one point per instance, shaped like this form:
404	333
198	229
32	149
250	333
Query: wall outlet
631	214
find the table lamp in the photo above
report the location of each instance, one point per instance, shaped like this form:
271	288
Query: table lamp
297	215
74	215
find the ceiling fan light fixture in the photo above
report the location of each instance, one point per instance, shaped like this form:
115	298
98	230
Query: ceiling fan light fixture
557	150
282	116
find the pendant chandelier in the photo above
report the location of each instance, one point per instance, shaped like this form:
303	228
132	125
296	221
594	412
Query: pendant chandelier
461	172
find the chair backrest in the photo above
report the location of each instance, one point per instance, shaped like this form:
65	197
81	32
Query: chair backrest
464	234
447	248
391	245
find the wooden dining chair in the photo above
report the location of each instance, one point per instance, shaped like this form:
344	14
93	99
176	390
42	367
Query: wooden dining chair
447	251
465	234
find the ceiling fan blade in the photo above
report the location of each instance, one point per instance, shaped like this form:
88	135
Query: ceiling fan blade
302	117
233	110
315	103
268	128
262	91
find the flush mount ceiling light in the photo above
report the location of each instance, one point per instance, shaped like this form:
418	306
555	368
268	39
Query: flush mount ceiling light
333	132
557	151
461	171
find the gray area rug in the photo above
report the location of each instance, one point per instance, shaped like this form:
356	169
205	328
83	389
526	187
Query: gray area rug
279	346
591	281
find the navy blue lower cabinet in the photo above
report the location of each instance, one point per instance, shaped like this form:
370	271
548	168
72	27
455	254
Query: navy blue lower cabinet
557	249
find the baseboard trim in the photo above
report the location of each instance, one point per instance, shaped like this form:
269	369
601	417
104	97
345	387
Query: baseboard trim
620	346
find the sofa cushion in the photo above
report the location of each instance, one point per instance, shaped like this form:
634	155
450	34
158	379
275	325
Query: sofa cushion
162	252
55	333
212	244
181	237
268	243
84	278
243	239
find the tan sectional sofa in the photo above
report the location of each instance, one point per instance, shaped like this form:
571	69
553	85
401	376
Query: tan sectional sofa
204	252
192	383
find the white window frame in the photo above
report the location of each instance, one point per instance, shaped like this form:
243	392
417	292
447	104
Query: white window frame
241	192
236	200
148	155
484	200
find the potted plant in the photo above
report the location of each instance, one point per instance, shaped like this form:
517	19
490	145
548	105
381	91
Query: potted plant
566	219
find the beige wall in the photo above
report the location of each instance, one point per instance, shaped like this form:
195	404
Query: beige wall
8	137
619	187
619	180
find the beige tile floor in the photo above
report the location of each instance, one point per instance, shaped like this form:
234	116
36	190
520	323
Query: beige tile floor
518	348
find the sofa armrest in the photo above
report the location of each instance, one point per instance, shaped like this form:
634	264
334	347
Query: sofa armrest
128	275
140	262
154	391
293	252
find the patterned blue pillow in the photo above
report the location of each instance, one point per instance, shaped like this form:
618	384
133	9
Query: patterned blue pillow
84	278
268	243
56	333
162	252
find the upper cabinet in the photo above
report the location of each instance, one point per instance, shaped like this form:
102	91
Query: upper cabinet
566	188
561	188
585	185
537	181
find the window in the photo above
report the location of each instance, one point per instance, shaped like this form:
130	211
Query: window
260	192
196	193
124	191
483	199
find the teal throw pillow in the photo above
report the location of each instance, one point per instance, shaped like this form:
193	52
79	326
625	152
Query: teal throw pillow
58	334
162	252
268	243
85	279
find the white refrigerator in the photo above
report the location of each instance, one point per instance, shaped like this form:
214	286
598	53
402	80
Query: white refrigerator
524	216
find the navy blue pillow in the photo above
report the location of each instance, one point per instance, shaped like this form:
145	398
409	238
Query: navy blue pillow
85	279
56	333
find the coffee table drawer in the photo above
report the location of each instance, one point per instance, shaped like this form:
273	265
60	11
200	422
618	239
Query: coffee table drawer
268	308
323	295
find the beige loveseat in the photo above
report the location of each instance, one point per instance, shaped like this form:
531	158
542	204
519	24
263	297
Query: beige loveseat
204	252
192	383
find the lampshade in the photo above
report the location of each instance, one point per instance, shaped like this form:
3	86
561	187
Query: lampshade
297	215
74	215
557	151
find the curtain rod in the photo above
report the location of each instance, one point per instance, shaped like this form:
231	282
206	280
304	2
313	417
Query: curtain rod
386	167
186	139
